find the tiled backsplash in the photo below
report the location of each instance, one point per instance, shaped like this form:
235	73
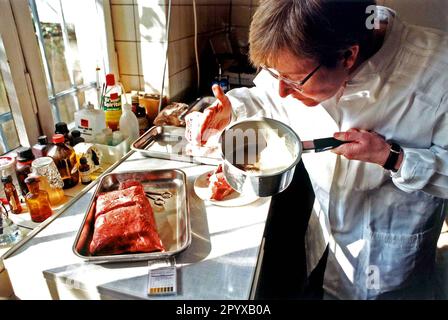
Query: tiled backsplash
140	40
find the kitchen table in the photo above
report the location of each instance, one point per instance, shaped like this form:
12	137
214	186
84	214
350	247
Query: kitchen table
221	262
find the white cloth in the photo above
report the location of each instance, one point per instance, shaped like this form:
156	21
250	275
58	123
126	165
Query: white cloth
382	228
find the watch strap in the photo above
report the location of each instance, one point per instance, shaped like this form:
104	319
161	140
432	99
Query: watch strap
394	154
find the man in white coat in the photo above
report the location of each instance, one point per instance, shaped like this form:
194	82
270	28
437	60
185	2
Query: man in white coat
329	69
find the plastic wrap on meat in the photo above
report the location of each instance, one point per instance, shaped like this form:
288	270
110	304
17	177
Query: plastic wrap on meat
169	116
125	227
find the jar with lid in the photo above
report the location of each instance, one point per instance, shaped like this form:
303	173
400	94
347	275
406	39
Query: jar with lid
11	195
40	149
50	179
65	159
23	167
37	200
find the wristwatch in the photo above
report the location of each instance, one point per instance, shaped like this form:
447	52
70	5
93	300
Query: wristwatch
394	154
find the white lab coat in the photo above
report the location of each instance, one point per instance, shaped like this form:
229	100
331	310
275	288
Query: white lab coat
381	227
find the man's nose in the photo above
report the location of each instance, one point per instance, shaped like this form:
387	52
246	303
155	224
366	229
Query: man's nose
283	89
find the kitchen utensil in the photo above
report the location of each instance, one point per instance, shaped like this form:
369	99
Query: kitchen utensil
242	143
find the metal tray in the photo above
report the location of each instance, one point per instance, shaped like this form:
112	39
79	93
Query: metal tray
168	142
173	220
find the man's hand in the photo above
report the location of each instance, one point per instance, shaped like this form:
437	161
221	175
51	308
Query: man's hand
365	146
200	127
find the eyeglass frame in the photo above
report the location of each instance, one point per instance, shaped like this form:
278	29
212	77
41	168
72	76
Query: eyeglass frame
293	84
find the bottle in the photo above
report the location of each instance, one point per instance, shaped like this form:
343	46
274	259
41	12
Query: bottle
65	159
108	133
40	149
117	138
37	200
143	123
84	171
90	121
11	195
23	167
112	102
61	128
50	179
135	104
76	138
129	125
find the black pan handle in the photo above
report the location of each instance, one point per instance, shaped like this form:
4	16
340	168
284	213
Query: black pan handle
325	144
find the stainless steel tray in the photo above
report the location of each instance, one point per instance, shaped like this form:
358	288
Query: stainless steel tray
173	220
168	142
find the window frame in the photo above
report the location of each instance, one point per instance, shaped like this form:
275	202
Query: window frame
27	86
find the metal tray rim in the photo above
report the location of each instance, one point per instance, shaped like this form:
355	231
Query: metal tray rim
134	256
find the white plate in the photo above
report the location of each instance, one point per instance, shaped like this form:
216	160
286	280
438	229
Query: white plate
234	199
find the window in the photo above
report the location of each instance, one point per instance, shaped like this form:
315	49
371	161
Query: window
70	44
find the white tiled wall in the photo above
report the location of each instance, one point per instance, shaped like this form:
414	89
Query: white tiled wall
242	13
140	41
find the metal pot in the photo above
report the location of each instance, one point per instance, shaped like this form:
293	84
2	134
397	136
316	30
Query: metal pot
241	145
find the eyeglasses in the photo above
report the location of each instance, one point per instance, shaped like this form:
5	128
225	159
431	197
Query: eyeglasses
298	86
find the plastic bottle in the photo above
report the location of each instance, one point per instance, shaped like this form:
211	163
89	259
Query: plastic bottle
65	159
76	138
90	121
11	195
112	102
40	149
108	133
61	128
37	200
23	166
129	123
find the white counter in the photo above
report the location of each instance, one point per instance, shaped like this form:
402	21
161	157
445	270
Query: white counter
221	262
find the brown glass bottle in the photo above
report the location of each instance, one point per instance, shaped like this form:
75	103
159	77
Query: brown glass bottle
37	200
84	171
11	195
23	167
40	149
65	159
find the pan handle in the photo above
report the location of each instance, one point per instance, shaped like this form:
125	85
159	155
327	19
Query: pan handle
325	144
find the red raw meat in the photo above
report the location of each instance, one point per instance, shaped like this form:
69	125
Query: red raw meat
218	185
116	199
125	223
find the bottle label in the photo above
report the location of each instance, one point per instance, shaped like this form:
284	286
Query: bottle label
112	103
85	177
85	124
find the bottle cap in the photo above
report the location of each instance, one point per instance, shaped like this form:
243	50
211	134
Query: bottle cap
110	79
6	179
42	140
24	154
58	138
76	134
83	160
61	127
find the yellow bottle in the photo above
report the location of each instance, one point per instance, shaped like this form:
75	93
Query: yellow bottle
112	102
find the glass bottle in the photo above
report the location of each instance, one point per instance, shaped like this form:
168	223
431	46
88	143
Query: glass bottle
76	138
40	149
37	200
9	231
23	167
50	179
61	128
11	195
65	159
84	171
143	123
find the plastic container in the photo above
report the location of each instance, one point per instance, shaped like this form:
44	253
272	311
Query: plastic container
40	149
90	121
65	159
129	126
112	102
108	133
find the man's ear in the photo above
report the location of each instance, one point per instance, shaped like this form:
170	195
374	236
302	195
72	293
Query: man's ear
350	56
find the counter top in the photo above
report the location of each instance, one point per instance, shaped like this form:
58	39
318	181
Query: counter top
221	262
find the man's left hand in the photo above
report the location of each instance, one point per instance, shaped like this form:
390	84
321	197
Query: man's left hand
364	145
